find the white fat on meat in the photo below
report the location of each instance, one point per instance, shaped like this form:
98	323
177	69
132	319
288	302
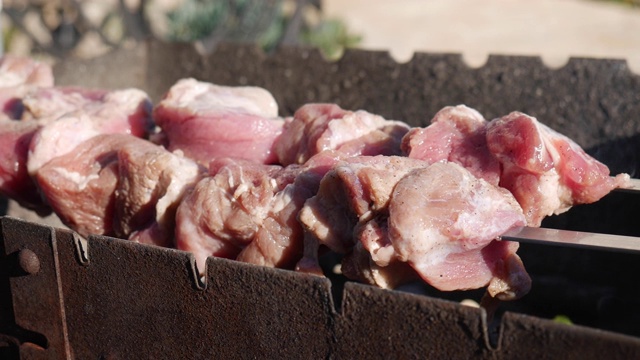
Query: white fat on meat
206	121
53	140
202	97
546	171
315	128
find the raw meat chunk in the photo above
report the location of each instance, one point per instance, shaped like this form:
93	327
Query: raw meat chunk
456	134
320	127
15	183
125	111
443	222
225	211
207	121
18	75
249	211
84	113
80	186
397	218
152	182
352	192
546	171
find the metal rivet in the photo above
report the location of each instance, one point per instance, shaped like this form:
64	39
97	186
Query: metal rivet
28	261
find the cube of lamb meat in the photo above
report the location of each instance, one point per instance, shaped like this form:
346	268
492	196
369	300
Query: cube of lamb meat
18	76
438	219
546	171
80	186
15	182
152	182
84	113
207	121
320	127
117	111
355	190
444	221
456	134
248	211
224	212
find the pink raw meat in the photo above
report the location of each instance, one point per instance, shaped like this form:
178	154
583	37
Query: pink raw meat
320	127
207	121
152	182
546	171
456	134
443	222
223	213
248	211
80	186
353	191
18	75
116	111
84	113
15	183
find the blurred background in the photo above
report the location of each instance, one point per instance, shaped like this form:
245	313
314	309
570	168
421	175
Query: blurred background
553	29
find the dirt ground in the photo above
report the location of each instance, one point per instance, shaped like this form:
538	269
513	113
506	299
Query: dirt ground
553	29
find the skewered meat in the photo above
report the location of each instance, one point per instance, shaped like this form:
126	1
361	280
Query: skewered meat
224	212
443	222
151	184
456	134
80	186
340	184
249	212
546	171
84	113
118	111
206	121
15	183
355	190
18	75
320	127
438	218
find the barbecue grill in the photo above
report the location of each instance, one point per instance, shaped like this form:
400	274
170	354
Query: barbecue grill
64	297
